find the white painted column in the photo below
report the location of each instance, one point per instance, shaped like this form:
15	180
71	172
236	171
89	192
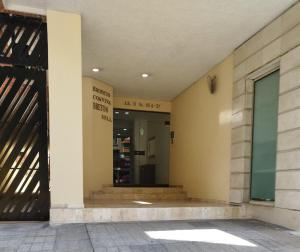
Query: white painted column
65	102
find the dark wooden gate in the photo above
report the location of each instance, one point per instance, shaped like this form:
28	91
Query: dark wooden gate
24	169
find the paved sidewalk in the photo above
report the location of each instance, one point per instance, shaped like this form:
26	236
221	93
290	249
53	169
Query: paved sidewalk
214	235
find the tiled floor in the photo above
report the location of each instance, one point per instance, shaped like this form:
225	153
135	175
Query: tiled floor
213	235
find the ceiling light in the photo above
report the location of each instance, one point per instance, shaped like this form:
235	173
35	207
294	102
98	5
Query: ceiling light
126	113
119	134
117	112
145	75
96	70
125	129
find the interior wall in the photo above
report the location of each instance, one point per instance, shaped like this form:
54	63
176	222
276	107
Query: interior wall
97	135
65	109
200	154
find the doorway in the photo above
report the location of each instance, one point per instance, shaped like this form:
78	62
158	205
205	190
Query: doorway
264	142
141	148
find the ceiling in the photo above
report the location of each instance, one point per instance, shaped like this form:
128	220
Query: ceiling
175	41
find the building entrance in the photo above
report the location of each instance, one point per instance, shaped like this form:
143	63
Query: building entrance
141	148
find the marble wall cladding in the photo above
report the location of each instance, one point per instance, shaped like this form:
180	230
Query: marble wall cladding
289	101
272	32
249	86
240	165
291	39
115	214
241	102
290	60
247	49
282	26
240	150
288	141
271	51
241	134
239	186
290	80
238	196
278	41
279	216
288	199
288	180
288	160
240	181
241	118
239	88
290	18
289	120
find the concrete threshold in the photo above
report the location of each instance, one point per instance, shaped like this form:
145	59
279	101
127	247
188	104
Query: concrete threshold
105	212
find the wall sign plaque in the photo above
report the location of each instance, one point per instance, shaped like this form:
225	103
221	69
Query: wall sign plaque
102	103
141	104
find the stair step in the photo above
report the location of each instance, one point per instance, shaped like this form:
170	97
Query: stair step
136	196
141	190
173	193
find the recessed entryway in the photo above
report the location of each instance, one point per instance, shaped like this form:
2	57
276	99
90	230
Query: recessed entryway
141	148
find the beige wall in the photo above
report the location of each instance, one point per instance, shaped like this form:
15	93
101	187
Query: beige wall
200	154
142	104
97	136
65	104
